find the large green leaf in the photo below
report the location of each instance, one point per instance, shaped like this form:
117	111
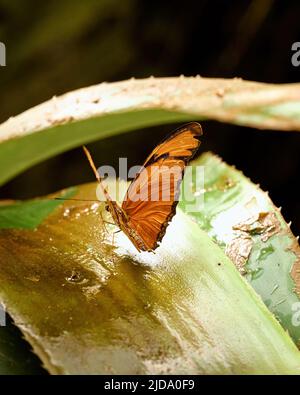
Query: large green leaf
107	109
242	219
89	306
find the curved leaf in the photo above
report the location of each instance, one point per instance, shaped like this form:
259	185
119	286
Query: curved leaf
90	306
242	219
104	110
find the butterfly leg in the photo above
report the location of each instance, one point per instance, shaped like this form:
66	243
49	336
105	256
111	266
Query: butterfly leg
109	223
113	237
106	222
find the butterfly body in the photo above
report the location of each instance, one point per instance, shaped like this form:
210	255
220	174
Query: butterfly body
151	199
121	220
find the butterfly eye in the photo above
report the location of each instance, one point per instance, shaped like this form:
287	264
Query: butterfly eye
106	207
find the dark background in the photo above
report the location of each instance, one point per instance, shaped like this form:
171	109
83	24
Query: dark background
61	45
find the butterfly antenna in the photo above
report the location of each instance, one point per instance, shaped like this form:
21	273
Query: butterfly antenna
76	200
92	164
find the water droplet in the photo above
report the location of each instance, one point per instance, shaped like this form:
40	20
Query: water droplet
256	273
265	252
92	291
66	213
76	278
94	207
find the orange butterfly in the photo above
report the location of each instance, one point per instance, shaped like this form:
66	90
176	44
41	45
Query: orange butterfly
144	220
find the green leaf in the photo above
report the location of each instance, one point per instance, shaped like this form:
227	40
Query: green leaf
15	354
242	219
105	110
90	306
28	215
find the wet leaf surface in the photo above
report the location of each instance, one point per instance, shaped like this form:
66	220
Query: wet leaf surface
88	302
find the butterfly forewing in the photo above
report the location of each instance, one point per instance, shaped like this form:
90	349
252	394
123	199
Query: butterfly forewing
152	197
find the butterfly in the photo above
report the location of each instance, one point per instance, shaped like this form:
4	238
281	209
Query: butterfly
151	199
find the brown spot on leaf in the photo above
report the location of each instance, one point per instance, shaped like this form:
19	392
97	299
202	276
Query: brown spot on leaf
239	249
265	224
295	271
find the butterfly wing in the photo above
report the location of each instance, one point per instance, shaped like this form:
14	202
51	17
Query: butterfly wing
152	197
